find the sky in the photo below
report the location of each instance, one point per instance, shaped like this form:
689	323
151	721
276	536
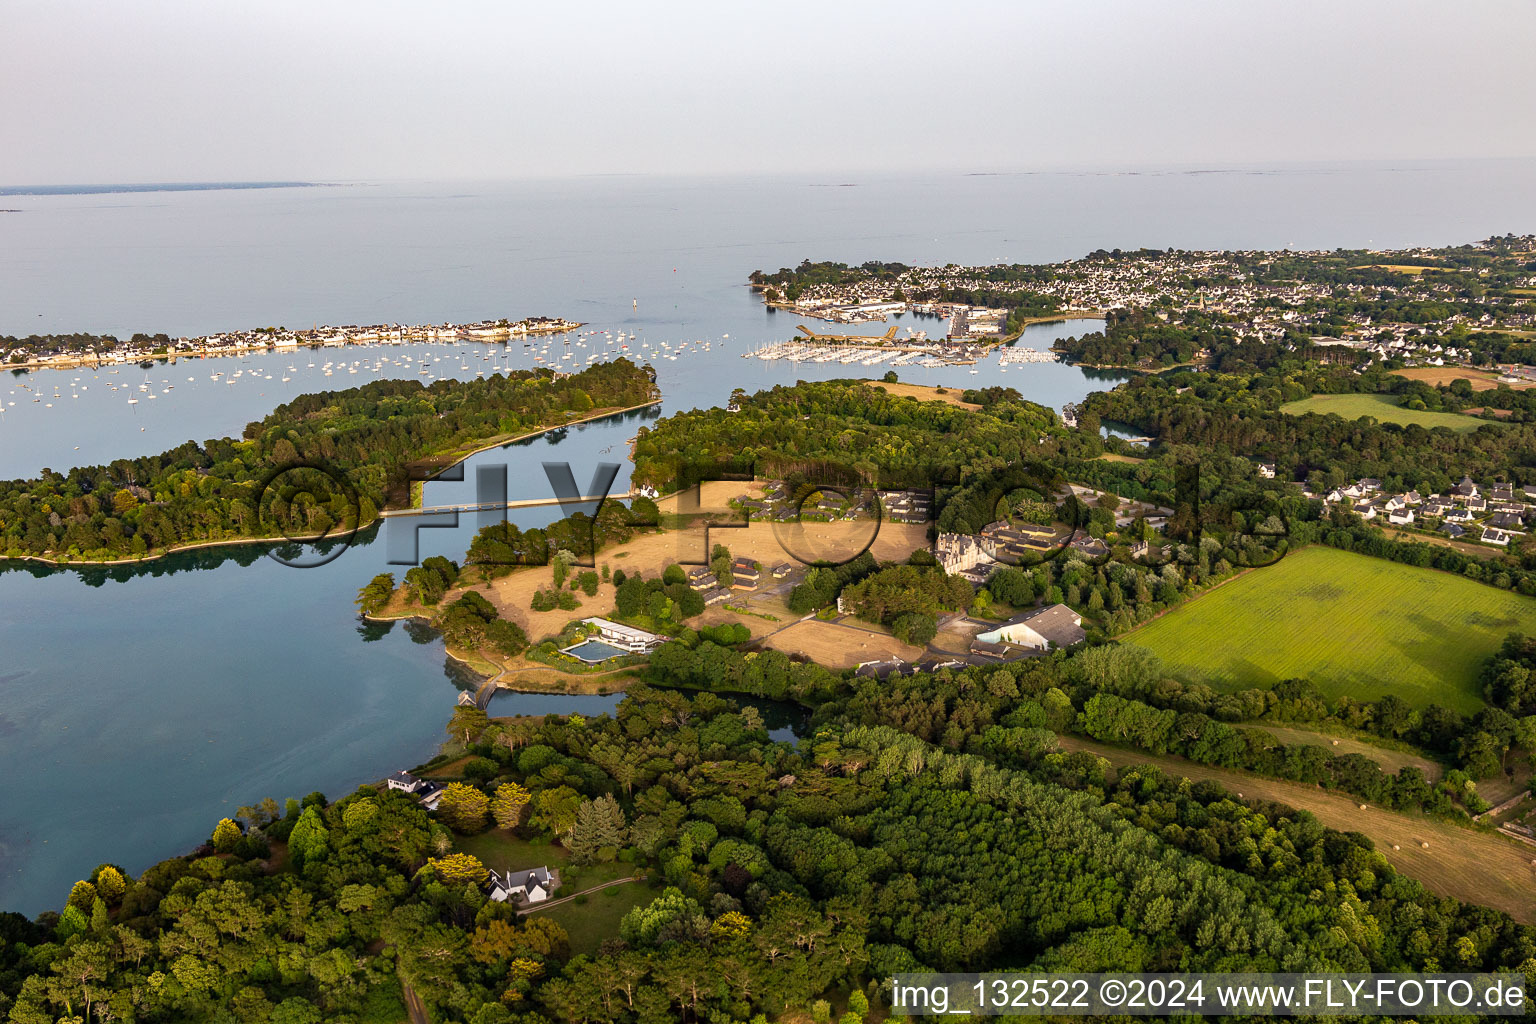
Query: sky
346	90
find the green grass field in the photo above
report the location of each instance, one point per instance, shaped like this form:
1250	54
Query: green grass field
589	923
499	849
1351	624
1383	408
502	851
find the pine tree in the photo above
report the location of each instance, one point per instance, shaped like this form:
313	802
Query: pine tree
82	896
463	807
599	823
458	869
308	839
225	835
508	804
99	920
110	883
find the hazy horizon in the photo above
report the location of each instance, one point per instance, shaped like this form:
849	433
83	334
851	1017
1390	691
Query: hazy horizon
174	91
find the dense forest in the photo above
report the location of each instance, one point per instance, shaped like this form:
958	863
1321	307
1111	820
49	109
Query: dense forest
927	824
1140	338
321	463
838	432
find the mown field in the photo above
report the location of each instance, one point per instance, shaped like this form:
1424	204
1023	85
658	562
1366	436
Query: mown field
1481	380
1351	624
1381	407
1462	863
597	916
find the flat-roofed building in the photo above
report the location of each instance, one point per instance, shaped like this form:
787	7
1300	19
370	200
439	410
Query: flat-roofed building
627	638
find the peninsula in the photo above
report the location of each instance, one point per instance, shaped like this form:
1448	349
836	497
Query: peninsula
55	351
233	490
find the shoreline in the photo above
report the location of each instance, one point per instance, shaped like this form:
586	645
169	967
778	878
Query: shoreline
153	556
467	660
504	441
214	352
991	342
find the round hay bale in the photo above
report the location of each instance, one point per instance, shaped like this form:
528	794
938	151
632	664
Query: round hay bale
1396	847
1363	806
1424	845
1335	742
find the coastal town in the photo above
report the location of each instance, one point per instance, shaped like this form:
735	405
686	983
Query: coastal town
56	351
1348	300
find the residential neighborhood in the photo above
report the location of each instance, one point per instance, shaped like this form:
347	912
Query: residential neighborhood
1216	284
266	339
1497	516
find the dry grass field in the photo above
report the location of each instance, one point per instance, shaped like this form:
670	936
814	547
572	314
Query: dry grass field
1478	867
1390	760
838	645
1398	268
650	553
1481	380
924	393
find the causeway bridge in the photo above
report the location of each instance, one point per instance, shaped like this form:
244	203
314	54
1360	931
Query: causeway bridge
497	506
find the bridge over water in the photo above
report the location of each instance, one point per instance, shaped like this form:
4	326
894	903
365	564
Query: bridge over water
497	506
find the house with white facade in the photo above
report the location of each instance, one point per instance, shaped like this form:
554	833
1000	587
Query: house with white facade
533	885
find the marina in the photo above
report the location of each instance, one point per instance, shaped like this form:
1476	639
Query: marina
142	348
927	356
63	417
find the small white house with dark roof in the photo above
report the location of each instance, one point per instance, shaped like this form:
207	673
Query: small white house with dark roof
406	782
533	885
427	791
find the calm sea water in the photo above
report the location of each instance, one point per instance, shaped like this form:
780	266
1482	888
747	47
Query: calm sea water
137	706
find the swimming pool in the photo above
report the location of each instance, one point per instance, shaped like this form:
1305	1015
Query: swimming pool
593	651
